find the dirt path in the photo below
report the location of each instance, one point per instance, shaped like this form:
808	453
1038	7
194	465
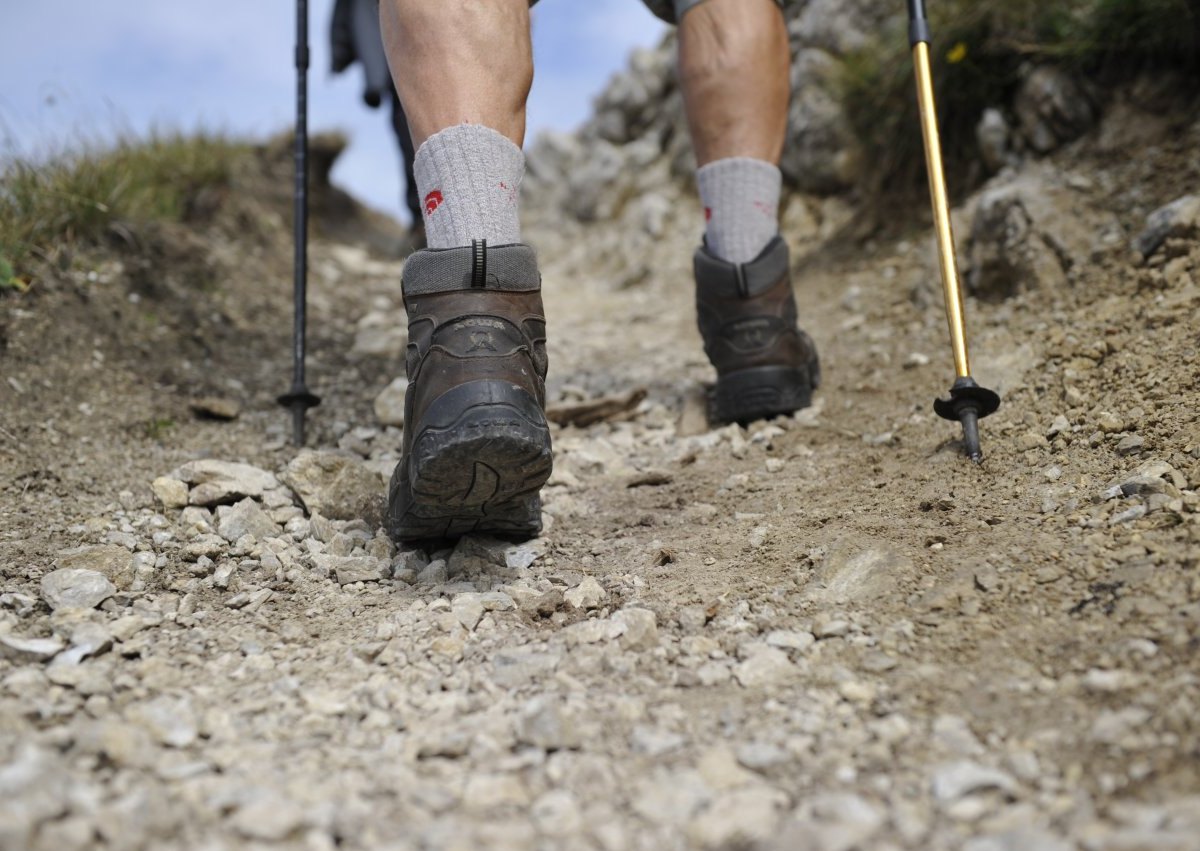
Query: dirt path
825	632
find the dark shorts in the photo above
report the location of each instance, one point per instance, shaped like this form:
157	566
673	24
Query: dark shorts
670	10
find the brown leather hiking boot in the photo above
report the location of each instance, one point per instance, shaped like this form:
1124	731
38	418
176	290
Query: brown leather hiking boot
765	364
476	446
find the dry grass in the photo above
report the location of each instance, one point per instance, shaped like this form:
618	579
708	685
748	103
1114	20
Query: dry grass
74	199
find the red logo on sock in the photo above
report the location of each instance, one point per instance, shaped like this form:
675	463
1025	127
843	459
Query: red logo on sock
432	201
708	214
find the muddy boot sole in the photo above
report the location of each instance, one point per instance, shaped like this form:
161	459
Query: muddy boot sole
476	467
764	392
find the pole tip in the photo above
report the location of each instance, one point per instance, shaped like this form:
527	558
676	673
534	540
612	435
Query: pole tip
968	403
970	426
298	400
298	418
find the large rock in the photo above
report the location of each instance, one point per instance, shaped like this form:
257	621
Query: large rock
764	667
1178	220
389	404
953	780
822	155
632	102
72	588
831	820
1052	108
516	667
115	562
223	482
1030	232
123	744
172	493
550	156
381	334
245	518
848	573
268	817
35	786
88	639
544	724
348	569
836	26
637	628
743	818
994	138
588	594
599	184
29	649
336	485
171	721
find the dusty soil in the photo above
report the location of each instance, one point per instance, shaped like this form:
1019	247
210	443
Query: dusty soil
828	631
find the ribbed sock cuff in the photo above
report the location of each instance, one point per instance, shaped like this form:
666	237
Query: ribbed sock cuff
741	206
469	179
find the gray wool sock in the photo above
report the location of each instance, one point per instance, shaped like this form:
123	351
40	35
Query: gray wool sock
741	205
469	178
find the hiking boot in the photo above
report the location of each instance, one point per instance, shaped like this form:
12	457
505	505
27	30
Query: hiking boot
765	364
476	446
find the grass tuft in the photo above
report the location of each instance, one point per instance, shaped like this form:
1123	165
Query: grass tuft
157	428
73	199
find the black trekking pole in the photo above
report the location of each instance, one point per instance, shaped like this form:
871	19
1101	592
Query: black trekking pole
968	402
299	399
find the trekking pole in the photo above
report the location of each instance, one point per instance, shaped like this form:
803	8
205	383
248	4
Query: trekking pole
968	402
299	398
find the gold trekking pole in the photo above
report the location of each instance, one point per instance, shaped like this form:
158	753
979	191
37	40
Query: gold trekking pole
968	402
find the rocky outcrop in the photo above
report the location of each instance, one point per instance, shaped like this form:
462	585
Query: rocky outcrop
1031	230
637	140
1178	220
822	155
1052	108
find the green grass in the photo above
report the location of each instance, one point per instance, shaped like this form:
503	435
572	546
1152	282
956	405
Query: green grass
979	49
157	428
73	199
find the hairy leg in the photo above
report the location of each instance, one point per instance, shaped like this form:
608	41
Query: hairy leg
734	67
734	70
460	62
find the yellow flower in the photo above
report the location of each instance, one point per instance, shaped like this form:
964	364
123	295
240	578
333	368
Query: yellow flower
957	53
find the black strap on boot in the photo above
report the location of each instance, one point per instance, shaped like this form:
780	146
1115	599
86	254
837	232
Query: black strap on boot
478	263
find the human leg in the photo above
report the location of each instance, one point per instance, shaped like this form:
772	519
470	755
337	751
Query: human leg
476	447
734	70
734	67
463	69
414	240
460	62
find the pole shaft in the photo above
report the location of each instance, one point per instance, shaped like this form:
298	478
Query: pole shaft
300	212
951	286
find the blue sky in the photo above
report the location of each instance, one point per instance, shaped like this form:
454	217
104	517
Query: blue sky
80	69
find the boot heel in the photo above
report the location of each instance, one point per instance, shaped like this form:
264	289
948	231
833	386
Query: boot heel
765	391
476	466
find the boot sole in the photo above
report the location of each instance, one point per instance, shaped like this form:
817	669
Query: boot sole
765	391
476	467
